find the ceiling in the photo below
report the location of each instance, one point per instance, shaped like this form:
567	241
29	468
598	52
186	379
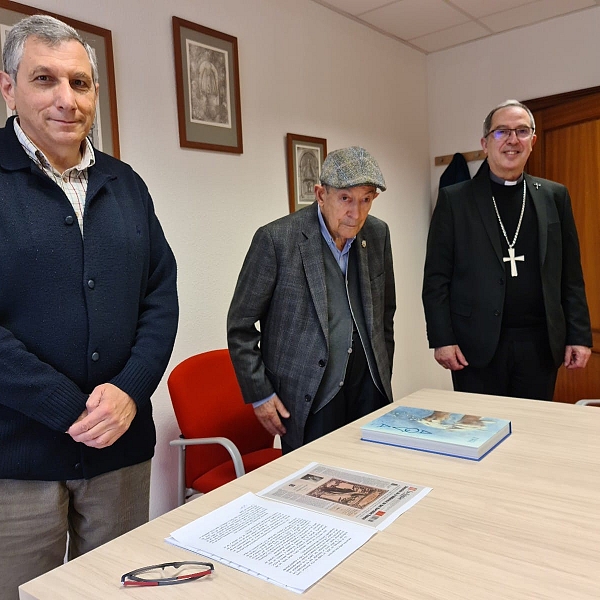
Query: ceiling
432	25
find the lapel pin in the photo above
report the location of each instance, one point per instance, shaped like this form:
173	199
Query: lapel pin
364	243
537	185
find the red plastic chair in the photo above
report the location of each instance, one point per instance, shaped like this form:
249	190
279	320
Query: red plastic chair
221	437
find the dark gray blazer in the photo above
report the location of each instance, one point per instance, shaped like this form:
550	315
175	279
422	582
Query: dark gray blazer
282	286
463	286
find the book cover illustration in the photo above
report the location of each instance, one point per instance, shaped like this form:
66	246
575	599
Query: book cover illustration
436	430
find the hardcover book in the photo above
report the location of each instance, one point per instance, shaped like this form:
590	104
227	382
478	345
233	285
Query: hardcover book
455	434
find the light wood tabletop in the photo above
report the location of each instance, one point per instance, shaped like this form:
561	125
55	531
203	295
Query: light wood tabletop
522	523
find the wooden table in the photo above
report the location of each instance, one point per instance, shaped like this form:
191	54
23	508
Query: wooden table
522	523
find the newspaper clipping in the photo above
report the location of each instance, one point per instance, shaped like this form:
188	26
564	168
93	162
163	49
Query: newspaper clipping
359	497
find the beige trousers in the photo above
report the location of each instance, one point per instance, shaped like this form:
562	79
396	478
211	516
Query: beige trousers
35	517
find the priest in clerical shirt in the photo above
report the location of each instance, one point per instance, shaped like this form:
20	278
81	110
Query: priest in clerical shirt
503	287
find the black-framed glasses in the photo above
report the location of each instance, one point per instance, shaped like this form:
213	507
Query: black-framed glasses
167	573
503	133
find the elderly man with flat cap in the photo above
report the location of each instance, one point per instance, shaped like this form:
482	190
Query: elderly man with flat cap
320	282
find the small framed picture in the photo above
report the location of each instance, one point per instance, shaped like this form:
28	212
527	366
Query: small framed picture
105	130
305	156
207	81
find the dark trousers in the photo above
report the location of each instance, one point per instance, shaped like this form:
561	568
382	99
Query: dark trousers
358	397
522	367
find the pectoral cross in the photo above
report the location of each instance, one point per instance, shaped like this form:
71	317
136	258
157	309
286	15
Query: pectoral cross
513	261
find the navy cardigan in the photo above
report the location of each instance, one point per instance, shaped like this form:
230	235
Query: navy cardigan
76	312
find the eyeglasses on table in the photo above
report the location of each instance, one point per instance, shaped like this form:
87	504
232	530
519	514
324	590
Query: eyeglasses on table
170	573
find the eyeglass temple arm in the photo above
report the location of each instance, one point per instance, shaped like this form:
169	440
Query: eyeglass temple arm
234	453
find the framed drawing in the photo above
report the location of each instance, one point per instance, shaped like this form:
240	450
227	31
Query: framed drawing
105	131
207	79
305	156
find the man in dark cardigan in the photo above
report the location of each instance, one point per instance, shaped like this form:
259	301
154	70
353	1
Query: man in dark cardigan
88	314
503	289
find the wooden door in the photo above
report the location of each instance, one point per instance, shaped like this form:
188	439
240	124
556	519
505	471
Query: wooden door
568	151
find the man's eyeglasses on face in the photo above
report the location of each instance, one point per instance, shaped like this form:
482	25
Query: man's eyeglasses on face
503	133
167	573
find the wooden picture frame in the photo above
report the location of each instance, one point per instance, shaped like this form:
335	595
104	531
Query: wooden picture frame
105	131
207	80
305	156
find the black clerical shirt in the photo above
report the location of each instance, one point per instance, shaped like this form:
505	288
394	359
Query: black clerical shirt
523	303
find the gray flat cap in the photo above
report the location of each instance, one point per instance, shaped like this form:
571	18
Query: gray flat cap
349	167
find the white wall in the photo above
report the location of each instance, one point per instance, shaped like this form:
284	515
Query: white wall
305	70
466	82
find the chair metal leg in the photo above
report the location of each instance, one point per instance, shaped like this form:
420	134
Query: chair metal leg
234	453
181	477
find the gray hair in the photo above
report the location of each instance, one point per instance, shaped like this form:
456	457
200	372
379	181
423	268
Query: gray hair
49	30
487	123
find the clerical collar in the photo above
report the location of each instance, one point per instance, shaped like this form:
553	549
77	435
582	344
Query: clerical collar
501	181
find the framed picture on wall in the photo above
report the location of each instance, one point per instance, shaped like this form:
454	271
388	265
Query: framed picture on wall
105	131
207	80
305	156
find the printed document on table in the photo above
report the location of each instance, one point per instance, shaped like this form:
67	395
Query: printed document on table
352	495
280	543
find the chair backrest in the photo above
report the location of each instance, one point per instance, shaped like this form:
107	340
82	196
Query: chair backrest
208	402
